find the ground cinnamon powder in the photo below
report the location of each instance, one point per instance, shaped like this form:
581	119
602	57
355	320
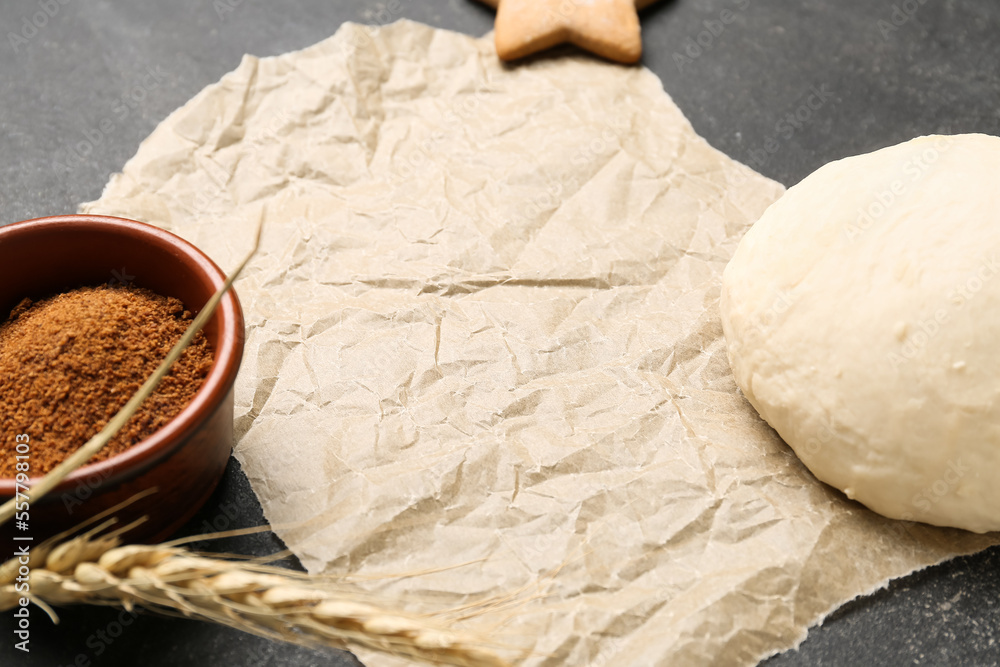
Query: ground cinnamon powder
70	362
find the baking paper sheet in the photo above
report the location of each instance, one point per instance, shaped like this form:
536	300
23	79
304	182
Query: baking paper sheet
483	329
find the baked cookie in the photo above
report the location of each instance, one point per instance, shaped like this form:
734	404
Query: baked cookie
609	28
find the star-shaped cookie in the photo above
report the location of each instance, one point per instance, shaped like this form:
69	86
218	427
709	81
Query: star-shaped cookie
609	28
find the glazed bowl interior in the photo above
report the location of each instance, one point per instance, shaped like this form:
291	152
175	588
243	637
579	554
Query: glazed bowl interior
42	257
39	258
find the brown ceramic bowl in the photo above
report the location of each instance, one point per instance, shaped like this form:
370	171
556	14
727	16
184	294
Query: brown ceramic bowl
185	459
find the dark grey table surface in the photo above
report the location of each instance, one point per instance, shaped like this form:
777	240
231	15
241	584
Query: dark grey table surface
90	79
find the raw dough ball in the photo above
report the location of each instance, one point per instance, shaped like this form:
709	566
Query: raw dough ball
862	315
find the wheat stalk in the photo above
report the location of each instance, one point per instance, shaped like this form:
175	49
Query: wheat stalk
272	602
95	568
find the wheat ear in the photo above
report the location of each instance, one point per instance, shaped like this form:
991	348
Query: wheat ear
264	600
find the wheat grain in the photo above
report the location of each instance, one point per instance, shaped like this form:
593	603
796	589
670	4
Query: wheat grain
94	568
265	600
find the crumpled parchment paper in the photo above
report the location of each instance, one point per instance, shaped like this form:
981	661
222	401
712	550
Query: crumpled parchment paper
483	330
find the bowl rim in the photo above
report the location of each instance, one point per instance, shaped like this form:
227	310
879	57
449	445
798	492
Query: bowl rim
213	391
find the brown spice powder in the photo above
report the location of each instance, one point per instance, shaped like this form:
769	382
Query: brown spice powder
70	362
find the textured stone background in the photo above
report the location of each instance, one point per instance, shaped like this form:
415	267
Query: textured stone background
79	93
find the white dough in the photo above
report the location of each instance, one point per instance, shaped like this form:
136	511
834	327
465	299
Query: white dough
862	315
